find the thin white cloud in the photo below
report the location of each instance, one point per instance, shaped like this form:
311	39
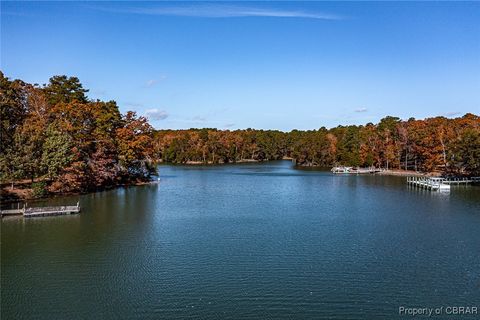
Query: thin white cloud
453	113
222	11
361	110
155	114
133	104
151	82
200	122
199	119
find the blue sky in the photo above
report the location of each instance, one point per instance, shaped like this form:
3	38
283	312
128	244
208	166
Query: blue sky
269	65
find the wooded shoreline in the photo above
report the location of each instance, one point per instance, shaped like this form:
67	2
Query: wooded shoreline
22	191
58	141
437	145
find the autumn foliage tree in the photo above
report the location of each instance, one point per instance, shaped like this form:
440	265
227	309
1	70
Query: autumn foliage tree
135	145
56	134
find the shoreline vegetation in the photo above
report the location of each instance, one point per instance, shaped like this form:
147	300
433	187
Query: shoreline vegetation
23	191
56	141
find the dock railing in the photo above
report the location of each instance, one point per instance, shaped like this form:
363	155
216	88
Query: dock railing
428	183
42	211
462	180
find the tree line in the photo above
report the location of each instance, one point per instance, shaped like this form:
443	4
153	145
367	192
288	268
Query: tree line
449	146
62	141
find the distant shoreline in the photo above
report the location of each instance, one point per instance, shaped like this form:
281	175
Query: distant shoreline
200	163
218	163
390	172
406	173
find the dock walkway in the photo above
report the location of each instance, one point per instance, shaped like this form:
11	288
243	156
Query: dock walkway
460	181
436	184
12	212
42	211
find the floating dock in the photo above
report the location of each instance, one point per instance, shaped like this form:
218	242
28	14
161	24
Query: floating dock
354	170
12	212
42	211
436	184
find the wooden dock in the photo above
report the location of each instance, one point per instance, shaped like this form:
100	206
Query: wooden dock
12	212
460	181
436	184
32	212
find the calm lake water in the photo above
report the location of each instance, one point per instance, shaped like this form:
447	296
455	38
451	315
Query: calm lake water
253	241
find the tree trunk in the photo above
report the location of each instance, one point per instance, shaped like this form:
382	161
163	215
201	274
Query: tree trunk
406	159
444	152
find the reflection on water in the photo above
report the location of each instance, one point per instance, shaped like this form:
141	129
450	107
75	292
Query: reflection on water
246	241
